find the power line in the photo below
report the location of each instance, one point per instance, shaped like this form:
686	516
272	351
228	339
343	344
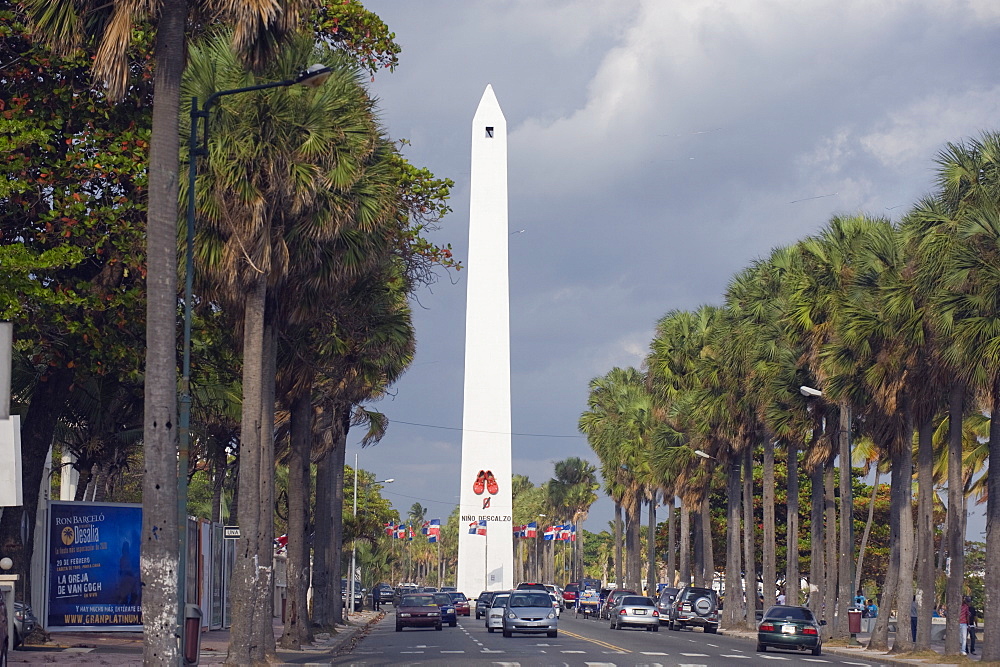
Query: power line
454	428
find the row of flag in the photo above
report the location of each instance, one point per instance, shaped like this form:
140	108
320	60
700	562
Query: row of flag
564	532
432	529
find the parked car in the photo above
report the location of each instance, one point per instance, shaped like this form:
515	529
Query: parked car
530	611
24	622
612	600
483	603
462	606
531	586
382	593
635	610
695	606
417	611
447	605
790	628
666	600
556	603
359	594
494	615
3	631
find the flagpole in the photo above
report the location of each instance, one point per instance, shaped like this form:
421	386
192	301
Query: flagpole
486	561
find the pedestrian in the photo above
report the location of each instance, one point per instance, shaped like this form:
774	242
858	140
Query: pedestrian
859	601
963	622
376	599
872	609
781	597
973	627
913	618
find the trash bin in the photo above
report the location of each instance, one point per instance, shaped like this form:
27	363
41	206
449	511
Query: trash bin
854	621
192	634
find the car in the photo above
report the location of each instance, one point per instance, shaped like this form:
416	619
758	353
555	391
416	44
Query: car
570	592
790	628
494	615
383	593
3	630
449	589
483	603
462	606
556	603
447	605
429	589
24	622
403	589
695	606
666	600
359	594
636	611
531	586
612	600
530	611
417	610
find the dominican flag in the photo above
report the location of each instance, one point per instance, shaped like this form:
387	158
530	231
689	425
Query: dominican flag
518	531
481	528
424	528
550	533
572	533
411	534
390	529
431	539
401	532
531	530
473	527
434	528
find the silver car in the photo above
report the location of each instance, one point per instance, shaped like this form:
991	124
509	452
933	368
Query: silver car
635	610
530	611
494	615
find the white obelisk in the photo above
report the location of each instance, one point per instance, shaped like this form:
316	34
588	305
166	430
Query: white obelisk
486	562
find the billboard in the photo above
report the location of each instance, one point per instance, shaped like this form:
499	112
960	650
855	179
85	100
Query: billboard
93	559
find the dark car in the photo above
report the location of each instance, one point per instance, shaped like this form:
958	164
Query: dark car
665	601
462	606
531	586
403	589
3	630
612	600
790	628
447	605
383	593
483	603
417	611
24	622
695	606
359	593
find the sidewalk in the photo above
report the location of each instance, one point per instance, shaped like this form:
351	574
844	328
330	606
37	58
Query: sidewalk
125	648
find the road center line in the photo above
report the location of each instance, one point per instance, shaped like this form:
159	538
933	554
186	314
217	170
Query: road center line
595	641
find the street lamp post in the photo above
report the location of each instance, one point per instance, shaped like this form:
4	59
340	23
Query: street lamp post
311	77
350	585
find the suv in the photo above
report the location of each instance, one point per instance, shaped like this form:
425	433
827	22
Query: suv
531	586
383	593
570	592
483	603
665	601
695	606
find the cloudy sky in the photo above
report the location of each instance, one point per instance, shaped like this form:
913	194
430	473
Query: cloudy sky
655	149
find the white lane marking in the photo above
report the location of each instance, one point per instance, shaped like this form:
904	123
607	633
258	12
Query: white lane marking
411	651
453	651
772	657
599	664
712	645
695	655
486	650
814	660
734	655
860	664
574	651
507	664
653	653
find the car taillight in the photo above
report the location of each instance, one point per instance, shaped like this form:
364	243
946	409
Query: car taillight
622	612
767	627
809	631
656	613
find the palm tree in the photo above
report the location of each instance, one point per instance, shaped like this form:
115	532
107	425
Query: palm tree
574	485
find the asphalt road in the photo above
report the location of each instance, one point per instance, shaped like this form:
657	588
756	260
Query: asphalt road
589	643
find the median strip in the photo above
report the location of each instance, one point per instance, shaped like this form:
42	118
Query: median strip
595	641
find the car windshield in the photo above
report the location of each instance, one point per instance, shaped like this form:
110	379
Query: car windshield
530	600
442	598
417	601
499	600
790	614
458	597
693	593
637	600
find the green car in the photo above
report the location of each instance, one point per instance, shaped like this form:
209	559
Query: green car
790	628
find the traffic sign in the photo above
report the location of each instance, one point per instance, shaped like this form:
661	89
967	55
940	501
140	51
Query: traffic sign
231	532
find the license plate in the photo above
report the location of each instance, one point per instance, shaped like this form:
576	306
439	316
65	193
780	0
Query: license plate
640	612
788	629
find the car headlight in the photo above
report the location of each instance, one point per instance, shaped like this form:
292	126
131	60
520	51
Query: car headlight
435	613
511	615
552	614
404	615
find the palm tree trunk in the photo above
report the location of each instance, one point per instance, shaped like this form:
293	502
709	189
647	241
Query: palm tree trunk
991	614
733	613
297	617
619	581
768	561
749	562
247	646
322	602
880	633
265	539
925	533
817	543
651	568
339	454
792	587
831	550
159	560
633	519
706	534
671	541
956	510
868	529
685	545
846	556
904	461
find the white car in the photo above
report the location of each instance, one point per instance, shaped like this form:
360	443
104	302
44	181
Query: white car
494	615
556	604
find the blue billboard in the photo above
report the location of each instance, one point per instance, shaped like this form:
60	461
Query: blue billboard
93	558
